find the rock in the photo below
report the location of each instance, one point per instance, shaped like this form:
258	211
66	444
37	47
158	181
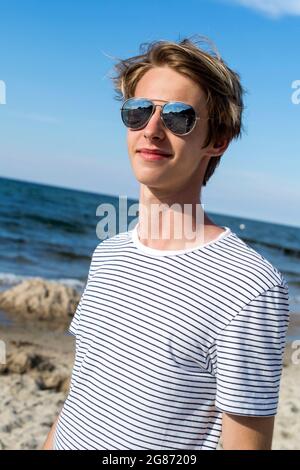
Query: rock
20	362
58	381
39	299
45	375
51	381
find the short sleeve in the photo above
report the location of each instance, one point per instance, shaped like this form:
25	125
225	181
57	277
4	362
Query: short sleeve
73	328
249	354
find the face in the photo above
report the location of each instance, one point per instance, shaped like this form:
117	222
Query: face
185	167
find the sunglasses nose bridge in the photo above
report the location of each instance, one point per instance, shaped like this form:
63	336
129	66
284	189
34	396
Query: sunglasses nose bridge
154	111
157	106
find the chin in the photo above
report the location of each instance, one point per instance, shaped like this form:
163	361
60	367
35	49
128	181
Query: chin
149	179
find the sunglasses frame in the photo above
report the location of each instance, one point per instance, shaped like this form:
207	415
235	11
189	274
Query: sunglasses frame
161	114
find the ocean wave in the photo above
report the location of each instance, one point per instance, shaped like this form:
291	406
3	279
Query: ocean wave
46	250
294	252
12	238
21	259
76	283
68	255
8	280
56	223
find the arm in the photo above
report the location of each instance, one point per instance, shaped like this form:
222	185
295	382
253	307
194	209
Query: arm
249	355
247	432
48	444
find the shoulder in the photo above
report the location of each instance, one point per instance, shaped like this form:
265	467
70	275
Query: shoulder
119	240
241	277
254	271
108	249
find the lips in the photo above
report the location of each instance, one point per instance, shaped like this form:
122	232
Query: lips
153	157
158	152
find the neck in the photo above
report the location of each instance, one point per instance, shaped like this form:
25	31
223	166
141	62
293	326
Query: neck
173	221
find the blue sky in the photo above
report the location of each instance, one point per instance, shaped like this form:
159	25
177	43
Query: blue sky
60	124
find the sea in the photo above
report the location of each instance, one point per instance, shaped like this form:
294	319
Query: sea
51	232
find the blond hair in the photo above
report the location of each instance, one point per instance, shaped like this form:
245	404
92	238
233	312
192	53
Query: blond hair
221	84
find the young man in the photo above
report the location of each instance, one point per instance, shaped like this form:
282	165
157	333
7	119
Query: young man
178	339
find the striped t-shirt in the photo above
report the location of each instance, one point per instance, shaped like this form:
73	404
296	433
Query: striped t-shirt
168	340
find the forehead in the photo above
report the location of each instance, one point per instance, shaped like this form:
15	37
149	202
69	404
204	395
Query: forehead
164	83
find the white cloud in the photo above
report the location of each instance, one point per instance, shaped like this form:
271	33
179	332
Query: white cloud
273	8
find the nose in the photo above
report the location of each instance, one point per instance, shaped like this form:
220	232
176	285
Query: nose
155	127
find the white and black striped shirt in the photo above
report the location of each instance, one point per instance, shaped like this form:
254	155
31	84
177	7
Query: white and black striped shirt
168	340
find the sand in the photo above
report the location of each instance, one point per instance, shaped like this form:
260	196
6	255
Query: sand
35	381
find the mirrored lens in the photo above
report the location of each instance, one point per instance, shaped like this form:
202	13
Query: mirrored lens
136	112
179	118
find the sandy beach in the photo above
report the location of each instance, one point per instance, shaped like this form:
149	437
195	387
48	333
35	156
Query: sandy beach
35	381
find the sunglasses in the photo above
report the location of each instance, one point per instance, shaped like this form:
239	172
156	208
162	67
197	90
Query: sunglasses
179	118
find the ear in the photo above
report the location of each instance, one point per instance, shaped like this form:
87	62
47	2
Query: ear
218	148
